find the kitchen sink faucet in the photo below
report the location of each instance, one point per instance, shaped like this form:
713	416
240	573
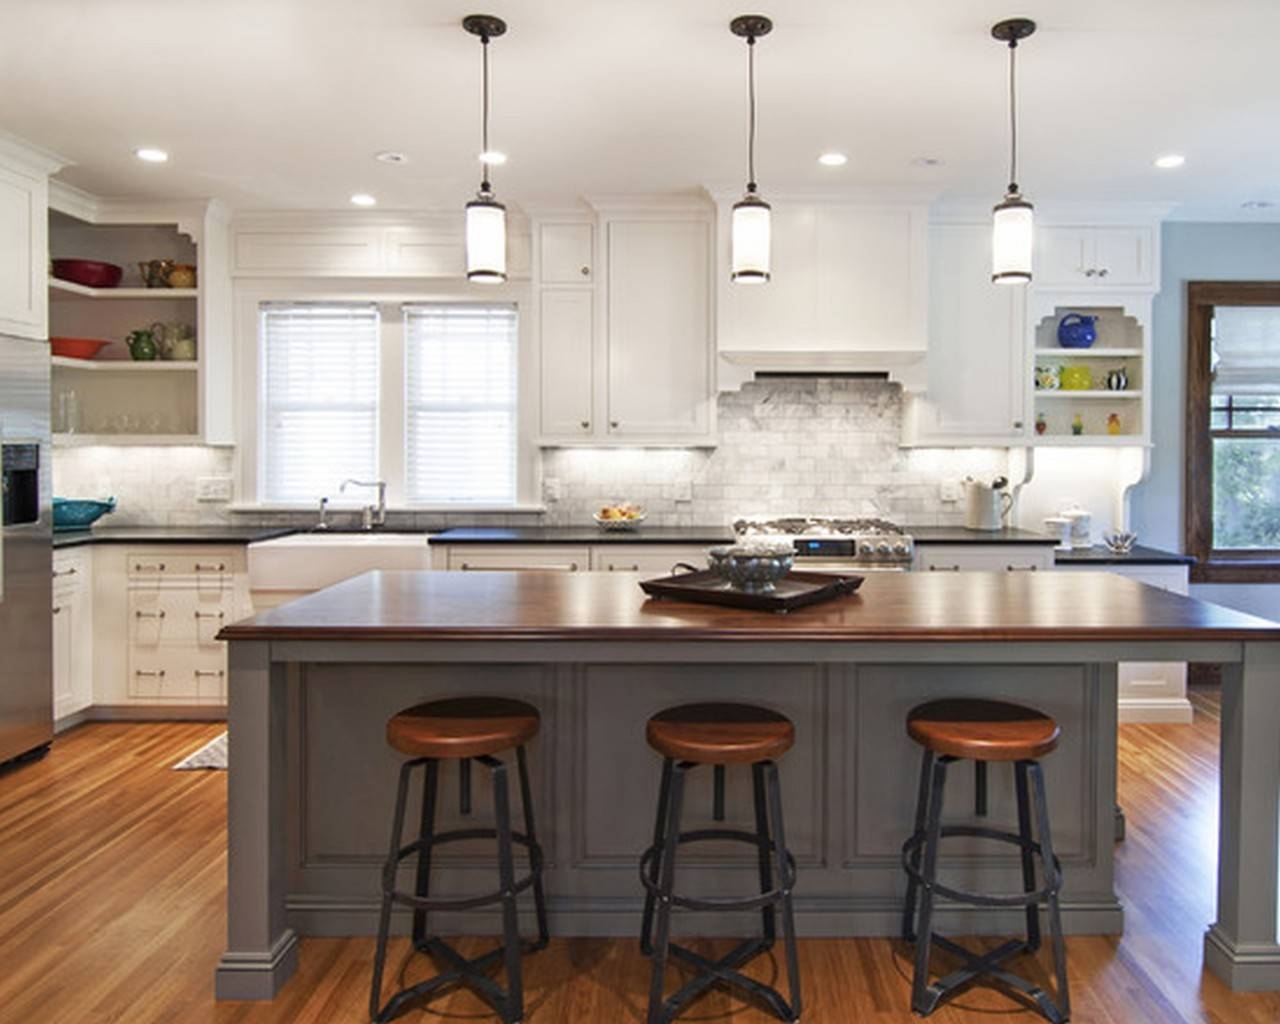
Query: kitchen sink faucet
370	515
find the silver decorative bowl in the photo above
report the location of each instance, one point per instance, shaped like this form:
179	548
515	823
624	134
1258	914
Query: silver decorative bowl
755	568
717	560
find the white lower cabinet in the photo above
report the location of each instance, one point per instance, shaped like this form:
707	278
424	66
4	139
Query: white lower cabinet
651	559
72	632
984	557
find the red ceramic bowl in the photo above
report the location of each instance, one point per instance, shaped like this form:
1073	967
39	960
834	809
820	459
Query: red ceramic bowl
90	273
77	348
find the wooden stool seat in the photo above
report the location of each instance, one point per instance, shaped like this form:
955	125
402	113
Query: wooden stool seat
720	733
982	730
462	727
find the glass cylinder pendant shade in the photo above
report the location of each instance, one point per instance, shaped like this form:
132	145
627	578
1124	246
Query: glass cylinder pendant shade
486	240
751	231
1011	240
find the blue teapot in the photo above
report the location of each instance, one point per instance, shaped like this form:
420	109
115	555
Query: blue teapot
1075	330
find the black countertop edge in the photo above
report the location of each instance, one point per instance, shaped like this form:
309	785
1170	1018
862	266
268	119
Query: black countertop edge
963	535
584	535
169	535
1099	555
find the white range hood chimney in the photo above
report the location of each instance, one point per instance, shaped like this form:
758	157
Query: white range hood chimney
849	292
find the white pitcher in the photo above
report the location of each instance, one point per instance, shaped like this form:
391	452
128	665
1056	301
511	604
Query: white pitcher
986	505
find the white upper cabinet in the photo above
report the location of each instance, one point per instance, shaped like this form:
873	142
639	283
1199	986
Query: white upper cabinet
566	253
566	327
658	328
24	238
1096	257
848	290
977	363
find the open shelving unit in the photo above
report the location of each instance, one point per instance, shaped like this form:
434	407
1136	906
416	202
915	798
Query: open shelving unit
59	290
123	366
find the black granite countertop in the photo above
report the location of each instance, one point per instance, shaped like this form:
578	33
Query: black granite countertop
590	534
169	535
1099	555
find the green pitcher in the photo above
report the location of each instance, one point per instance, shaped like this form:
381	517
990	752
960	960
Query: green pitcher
142	345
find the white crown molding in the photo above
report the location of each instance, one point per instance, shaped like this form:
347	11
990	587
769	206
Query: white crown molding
679	203
37	161
187	214
447	222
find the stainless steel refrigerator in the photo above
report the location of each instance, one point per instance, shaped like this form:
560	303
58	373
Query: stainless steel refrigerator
26	553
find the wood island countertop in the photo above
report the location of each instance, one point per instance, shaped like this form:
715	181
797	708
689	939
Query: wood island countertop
889	607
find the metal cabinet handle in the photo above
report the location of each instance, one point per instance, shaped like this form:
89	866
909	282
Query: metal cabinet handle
1089	272
144	672
586	424
1017	424
623	568
570	567
209	672
944	568
57	608
220	567
586	271
210	615
1021	568
64	572
613	424
1103	272
139	567
148	615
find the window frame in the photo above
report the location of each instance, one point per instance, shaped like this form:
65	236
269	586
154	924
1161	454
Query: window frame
1215	565
390	296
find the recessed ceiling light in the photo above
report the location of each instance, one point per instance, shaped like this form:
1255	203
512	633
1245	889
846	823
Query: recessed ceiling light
927	161
391	157
1257	204
151	155
833	159
493	158
363	199
1170	160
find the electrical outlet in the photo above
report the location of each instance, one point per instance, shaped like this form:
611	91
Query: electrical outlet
551	489
951	490
213	488
683	490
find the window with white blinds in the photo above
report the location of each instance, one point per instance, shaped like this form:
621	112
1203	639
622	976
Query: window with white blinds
319	401
460	404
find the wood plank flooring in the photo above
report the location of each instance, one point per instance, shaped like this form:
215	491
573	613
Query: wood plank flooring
112	874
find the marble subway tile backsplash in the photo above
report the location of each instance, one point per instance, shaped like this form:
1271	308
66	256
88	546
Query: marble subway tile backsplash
817	445
153	486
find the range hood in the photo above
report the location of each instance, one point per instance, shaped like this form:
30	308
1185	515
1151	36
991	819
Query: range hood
849	293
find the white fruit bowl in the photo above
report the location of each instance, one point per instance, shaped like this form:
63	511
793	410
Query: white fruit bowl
612	525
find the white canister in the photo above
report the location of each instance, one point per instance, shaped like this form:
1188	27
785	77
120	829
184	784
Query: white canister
1059	528
1081	527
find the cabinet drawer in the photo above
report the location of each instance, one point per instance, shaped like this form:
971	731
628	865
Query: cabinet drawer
214	568
162	617
519	558
984	558
651	559
178	674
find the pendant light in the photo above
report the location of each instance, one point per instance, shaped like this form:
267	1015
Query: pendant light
1012	219
486	217
751	214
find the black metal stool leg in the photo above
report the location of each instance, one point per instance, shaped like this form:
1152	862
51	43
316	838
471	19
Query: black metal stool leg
1028	855
923	1000
507	878
788	912
1051	872
539	899
426	830
666	884
922	809
388	886
768	916
659	832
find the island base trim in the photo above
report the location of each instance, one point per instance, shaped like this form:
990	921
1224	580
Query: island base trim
257	975
1247	967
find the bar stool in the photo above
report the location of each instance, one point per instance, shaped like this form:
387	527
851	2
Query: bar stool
982	731
689	737
464	730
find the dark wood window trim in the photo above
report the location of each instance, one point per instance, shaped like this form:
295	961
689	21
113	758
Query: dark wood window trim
1214	566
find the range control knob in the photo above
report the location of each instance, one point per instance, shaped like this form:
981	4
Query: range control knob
867	548
900	548
884	548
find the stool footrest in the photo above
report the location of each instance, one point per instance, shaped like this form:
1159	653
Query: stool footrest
1053	878
754	902
987	964
470	972
460	902
724	972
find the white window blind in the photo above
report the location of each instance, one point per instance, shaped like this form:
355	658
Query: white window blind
1246	349
319	398
460	404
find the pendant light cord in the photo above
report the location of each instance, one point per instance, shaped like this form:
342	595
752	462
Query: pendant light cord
1013	116
751	104
485	186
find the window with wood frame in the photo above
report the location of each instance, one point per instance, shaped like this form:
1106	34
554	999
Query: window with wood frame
1232	489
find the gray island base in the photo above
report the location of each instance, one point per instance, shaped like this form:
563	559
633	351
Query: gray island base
312	781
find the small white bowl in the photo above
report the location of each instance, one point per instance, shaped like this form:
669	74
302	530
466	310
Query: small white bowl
610	525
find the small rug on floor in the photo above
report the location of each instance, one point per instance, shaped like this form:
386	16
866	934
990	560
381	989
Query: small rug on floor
212	755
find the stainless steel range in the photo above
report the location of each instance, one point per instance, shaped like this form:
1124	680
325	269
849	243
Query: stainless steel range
831	544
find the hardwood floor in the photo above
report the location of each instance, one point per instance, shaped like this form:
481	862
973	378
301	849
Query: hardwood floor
112	872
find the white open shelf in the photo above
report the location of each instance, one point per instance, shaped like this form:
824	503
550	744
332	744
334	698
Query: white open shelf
87	440
1088	353
1091	440
64	289
127	366
1052	393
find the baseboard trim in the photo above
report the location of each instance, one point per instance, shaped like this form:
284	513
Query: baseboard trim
72	720
154	713
1244	968
243	975
1156	709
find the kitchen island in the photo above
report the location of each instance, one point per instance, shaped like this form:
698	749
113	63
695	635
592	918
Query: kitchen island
312	780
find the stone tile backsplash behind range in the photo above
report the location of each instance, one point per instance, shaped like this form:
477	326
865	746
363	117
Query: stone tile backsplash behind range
818	445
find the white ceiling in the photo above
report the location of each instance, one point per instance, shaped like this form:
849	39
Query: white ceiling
282	103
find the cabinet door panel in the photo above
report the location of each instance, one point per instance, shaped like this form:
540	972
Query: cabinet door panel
566	327
658	333
23	255
565	254
1127	254
655	560
518	558
984	557
1063	254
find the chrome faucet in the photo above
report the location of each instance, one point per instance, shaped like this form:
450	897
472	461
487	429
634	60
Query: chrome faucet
370	515
323	522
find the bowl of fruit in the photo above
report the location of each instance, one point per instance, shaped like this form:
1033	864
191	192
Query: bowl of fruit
619	517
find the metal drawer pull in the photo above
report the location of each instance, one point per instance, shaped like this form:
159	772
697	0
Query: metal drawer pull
220	567
149	615
467	567
1022	568
64	572
139	567
623	568
211	615
57	608
143	672
210	672
944	568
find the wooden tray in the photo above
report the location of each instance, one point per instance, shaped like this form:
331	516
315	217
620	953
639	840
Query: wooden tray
795	590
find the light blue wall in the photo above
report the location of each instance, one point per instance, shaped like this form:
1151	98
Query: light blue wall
1194	252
